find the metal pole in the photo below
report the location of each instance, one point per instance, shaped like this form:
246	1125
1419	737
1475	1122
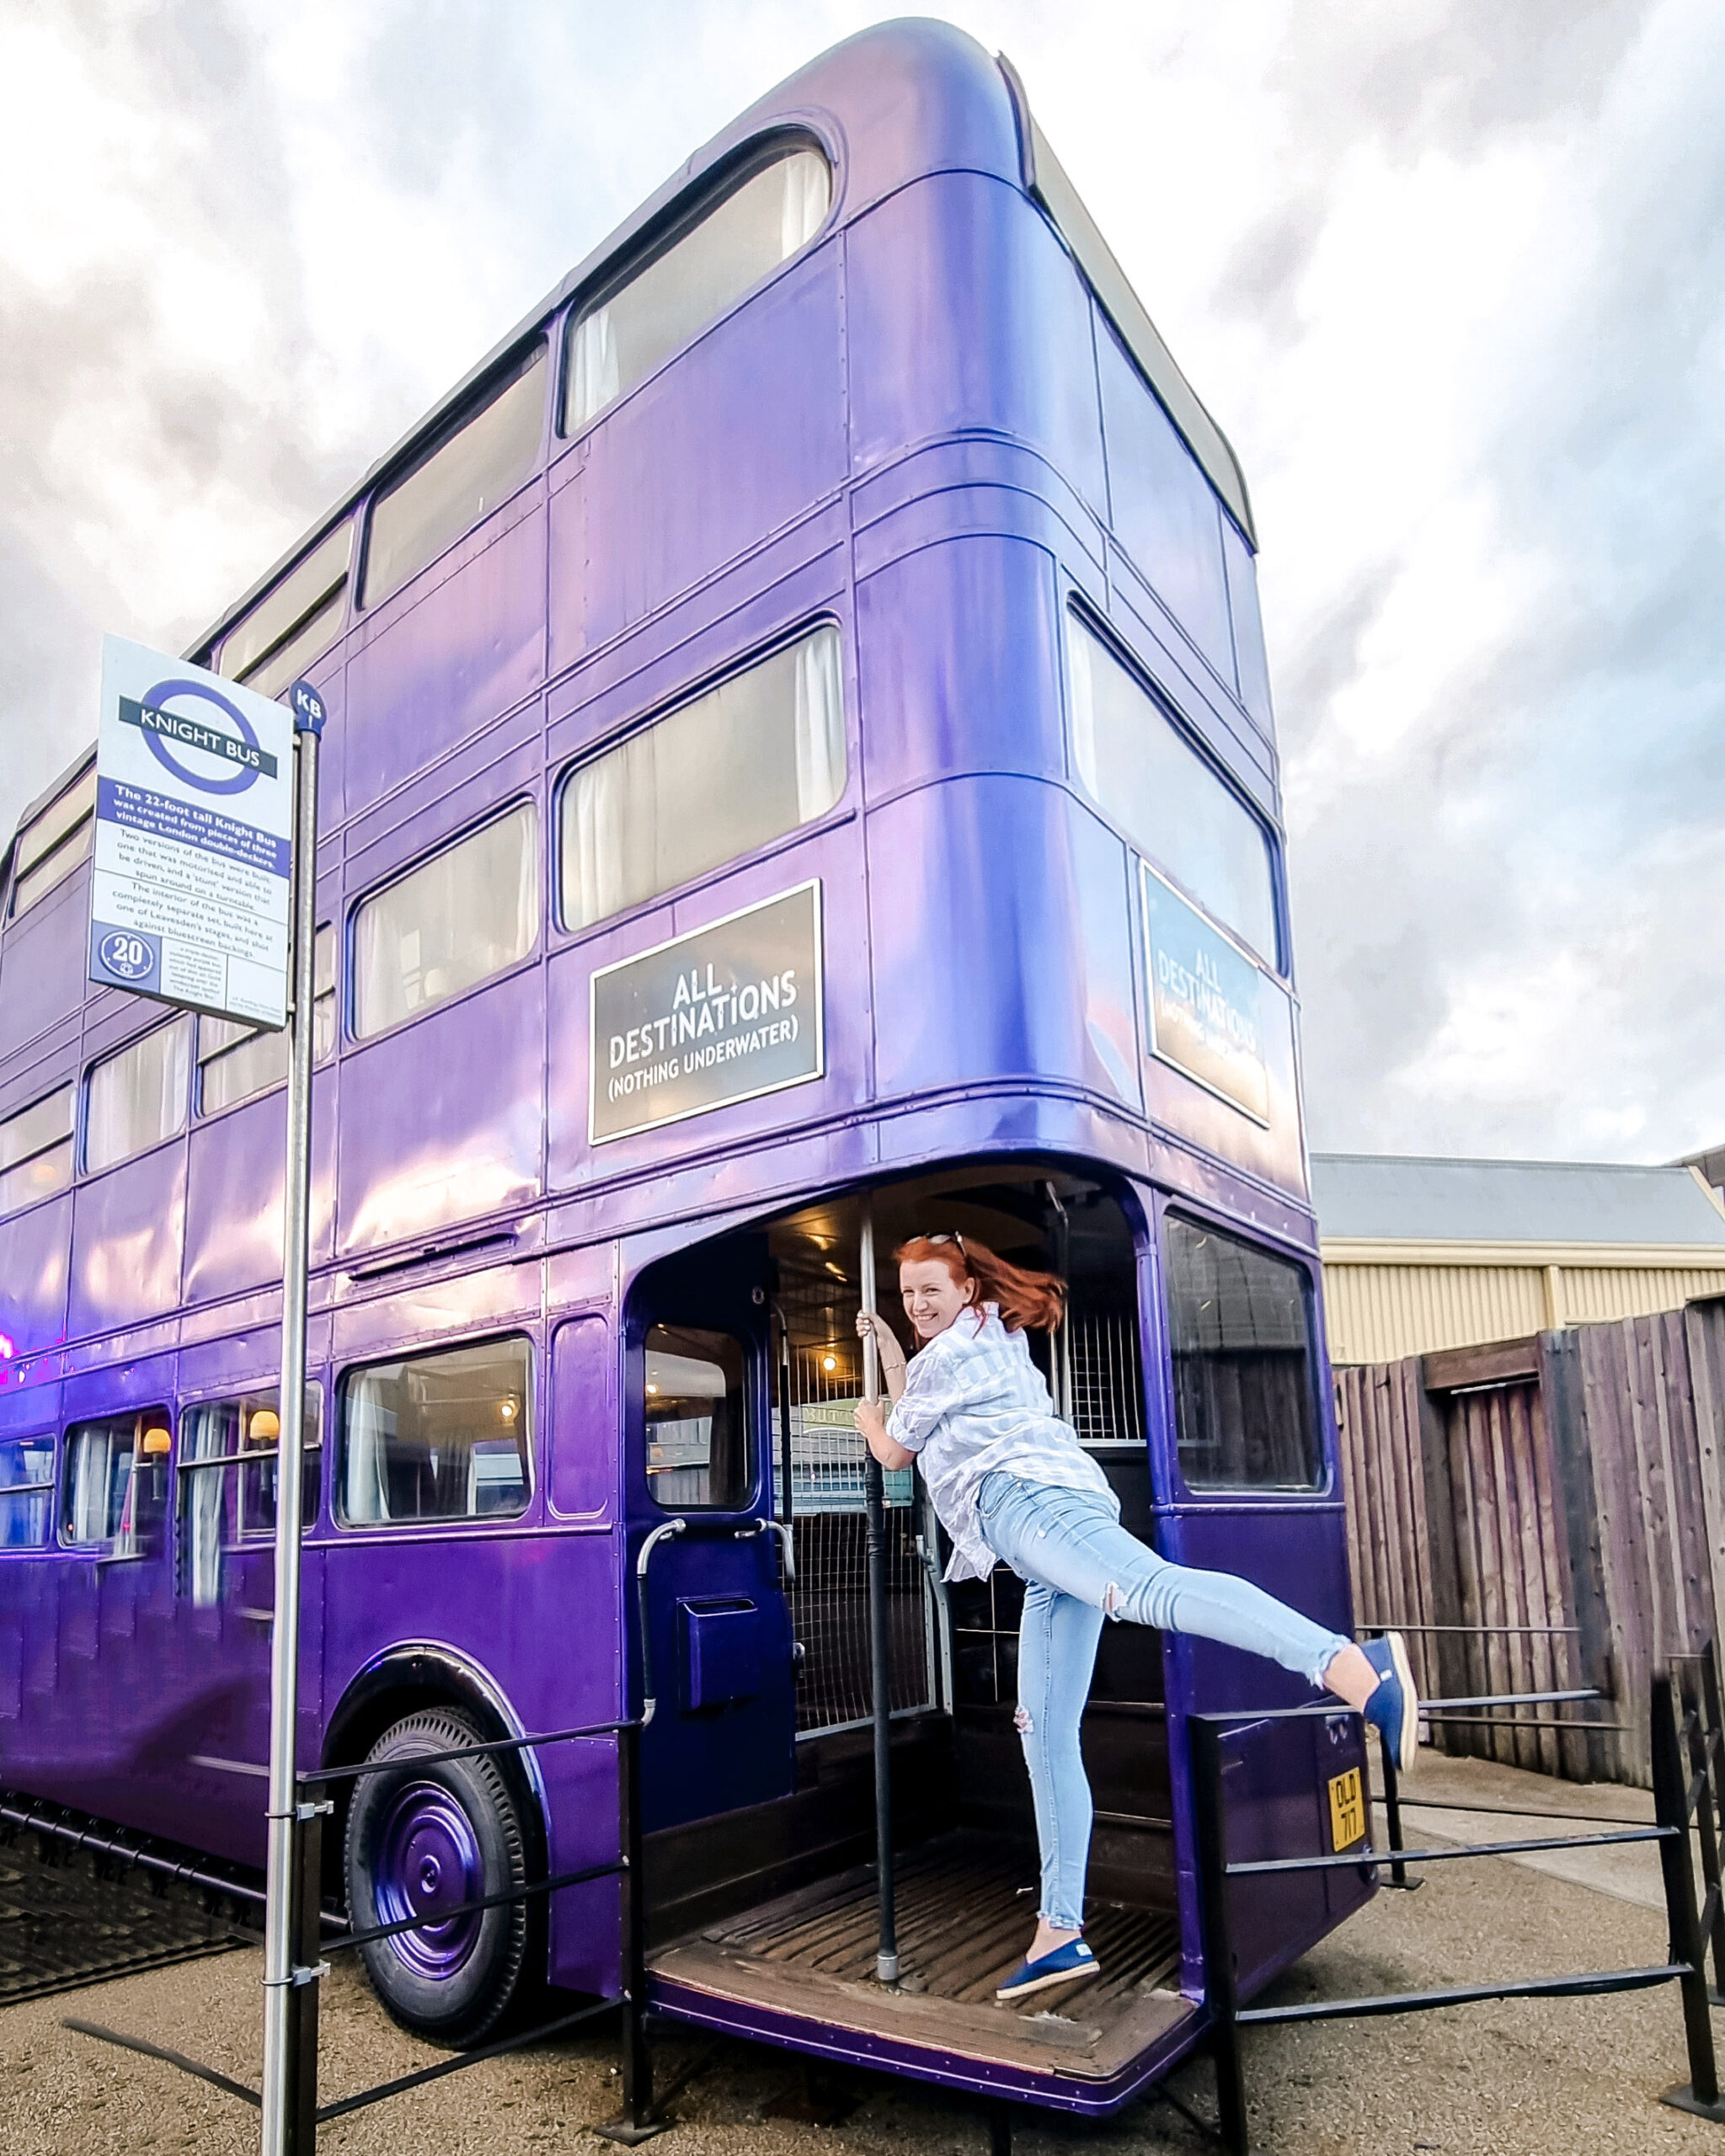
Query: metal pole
1219	1981
886	1959
279	1975
1392	1809
1671	1809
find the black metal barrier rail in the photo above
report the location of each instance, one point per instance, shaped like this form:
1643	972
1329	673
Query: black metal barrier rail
638	2122
1687	1803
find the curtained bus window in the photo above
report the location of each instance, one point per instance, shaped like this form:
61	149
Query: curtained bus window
440	1437
26	1491
236	1060
227	1478
35	1150
466	913
1240	1330
697	1420
1143	772
699	276
138	1098
465	476
53	844
744	763
113	1481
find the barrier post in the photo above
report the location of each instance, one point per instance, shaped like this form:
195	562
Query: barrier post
1671	1808
306	1930
1705	1750
1392	1814
638	2122
1218	1972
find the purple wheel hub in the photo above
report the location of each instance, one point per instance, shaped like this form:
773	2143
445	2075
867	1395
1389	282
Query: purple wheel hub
429	1861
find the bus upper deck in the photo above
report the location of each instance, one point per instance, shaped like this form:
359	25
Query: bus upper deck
799	723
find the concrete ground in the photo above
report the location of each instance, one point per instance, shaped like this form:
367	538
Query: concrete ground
1511	2079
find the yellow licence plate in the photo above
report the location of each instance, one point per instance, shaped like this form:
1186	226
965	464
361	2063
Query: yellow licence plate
1347	1811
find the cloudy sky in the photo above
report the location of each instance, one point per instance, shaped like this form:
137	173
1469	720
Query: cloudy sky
1451	273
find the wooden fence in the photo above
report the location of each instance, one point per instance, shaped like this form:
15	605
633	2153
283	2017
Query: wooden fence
1543	1514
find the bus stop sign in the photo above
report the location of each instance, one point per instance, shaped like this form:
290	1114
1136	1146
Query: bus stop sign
188	898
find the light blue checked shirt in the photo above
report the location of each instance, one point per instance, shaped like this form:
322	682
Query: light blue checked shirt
975	1401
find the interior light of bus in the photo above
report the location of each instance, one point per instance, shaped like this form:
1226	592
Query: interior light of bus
265	1427
156	1443
651	1387
829	1362
506	1409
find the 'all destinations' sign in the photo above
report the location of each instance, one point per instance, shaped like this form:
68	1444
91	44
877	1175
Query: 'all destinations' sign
723	1014
1205	1001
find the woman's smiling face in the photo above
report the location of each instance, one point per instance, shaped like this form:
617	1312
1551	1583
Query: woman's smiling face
933	1298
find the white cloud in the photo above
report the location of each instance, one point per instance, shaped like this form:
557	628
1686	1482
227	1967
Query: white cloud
1450	274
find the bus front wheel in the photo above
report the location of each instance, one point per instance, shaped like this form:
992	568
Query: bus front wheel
422	1839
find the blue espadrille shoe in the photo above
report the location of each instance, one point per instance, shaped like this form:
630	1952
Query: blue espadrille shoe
1067	1964
1394	1706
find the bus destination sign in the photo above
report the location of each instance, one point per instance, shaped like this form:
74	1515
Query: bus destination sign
1205	1001
189	900
723	1014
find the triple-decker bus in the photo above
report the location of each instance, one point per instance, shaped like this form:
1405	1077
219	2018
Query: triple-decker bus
799	743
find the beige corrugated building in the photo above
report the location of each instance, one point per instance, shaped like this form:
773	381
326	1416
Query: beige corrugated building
1424	1254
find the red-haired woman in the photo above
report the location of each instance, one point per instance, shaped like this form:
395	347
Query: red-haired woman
1010	1481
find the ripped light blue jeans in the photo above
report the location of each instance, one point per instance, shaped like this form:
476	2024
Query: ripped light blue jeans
1079	1565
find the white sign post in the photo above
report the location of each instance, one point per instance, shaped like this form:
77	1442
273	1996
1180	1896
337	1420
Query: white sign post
189	902
206	841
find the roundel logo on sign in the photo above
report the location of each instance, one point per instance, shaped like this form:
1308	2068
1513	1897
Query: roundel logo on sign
128	956
166	692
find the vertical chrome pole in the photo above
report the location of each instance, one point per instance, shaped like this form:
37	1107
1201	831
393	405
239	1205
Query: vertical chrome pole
279	1974
886	1959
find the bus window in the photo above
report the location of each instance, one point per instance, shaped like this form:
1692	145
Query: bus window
697	1423
297	623
1240	1329
457	919
226	1482
1143	773
464	478
138	1097
442	1437
757	756
110	1473
35	1150
53	844
236	1060
744	236
26	1491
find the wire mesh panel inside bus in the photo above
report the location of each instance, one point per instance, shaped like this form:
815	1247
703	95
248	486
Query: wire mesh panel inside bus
817	1382
1095	1373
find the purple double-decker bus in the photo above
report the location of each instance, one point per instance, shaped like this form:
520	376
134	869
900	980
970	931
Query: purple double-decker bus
800	755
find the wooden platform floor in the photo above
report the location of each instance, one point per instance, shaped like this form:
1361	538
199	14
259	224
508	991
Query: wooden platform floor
965	1912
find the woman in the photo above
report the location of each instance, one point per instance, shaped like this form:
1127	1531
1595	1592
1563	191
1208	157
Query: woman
1009	1479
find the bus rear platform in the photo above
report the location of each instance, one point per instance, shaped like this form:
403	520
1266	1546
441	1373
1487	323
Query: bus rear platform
798	1970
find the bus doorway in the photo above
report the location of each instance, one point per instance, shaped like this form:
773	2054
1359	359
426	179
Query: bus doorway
775	1912
710	1618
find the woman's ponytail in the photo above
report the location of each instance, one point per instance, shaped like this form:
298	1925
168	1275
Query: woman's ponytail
1037	1301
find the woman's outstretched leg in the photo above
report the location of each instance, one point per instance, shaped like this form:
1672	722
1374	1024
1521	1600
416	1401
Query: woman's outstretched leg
1069	1540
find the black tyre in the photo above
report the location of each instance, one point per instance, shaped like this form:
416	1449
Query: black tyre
423	1838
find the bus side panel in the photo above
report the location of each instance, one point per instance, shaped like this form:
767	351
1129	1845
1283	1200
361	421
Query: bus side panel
42	963
664	497
964	311
35	1250
233	1192
128	1231
963	873
1277	1803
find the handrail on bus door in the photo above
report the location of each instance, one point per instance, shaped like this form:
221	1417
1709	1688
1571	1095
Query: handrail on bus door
665	1532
